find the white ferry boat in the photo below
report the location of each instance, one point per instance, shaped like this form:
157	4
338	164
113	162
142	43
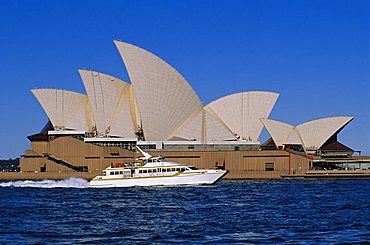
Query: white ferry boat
154	171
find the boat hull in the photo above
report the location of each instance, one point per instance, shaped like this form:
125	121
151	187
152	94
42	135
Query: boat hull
205	178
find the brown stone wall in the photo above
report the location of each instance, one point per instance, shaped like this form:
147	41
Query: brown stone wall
75	152
40	146
241	164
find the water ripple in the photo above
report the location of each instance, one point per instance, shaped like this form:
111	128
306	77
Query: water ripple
241	212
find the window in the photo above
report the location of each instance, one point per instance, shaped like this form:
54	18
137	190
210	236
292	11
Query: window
269	166
120	172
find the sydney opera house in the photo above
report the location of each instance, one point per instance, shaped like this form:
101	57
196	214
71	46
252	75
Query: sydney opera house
159	111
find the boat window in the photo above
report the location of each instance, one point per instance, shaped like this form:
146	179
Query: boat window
145	171
140	171
120	172
116	173
150	170
183	169
164	170
111	173
154	170
173	169
193	168
104	173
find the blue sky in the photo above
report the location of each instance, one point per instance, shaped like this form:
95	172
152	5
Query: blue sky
316	54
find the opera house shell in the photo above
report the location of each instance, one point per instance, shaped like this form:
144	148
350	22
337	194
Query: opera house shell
310	135
159	110
158	105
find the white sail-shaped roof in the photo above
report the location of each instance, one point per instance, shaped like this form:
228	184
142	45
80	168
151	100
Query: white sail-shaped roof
279	131
122	123
65	109
312	134
135	114
294	138
193	128
215	129
242	112
105	96
282	133
205	126
164	98
315	133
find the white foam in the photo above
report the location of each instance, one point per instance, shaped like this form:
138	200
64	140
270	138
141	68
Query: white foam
67	183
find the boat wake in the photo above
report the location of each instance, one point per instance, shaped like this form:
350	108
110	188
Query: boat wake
67	183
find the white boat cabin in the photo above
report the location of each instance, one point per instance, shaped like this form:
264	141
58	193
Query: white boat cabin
152	167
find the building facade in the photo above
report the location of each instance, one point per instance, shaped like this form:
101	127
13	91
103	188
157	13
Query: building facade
160	112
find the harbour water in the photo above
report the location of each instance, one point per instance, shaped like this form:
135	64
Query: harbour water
296	212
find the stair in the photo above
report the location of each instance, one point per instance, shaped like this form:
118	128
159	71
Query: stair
66	164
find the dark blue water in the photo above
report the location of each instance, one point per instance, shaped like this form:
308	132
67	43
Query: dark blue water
296	212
